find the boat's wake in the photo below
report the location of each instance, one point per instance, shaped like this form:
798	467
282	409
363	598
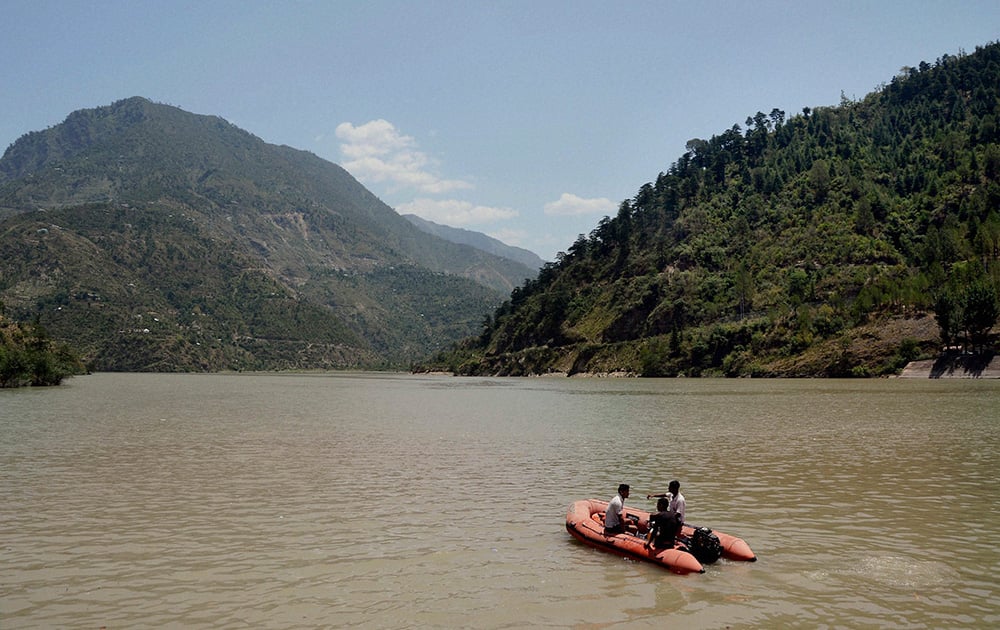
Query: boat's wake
905	573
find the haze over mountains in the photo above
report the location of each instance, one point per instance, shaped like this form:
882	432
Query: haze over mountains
477	240
151	238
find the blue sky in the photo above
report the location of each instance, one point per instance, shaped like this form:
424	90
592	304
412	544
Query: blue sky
527	120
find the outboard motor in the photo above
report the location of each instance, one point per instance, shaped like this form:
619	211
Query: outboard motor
705	546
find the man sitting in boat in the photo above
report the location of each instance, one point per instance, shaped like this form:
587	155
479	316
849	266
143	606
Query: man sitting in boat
614	517
664	526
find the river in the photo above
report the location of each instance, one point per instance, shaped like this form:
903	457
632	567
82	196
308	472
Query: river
403	501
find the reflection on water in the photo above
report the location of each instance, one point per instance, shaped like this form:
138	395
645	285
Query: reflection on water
406	501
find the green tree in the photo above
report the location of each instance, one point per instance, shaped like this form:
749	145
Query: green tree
744	289
947	317
819	180
980	310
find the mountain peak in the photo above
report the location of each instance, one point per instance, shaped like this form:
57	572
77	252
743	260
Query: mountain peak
116	131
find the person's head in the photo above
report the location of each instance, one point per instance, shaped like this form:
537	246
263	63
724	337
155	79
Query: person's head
674	487
663	504
623	490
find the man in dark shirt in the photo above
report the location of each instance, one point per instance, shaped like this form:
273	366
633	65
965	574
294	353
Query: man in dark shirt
664	526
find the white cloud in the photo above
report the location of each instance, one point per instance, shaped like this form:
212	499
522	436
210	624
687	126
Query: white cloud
377	152
571	205
455	212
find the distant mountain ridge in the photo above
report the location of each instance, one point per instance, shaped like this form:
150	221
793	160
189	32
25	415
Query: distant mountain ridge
150	238
478	240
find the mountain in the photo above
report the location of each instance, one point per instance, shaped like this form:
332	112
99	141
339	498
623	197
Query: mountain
842	241
479	241
150	238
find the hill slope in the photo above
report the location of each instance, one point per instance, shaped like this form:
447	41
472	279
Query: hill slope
816	244
150	238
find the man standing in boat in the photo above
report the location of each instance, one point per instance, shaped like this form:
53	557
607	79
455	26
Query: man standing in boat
677	503
614	518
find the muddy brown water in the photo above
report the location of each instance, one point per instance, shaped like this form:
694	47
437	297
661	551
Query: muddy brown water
388	500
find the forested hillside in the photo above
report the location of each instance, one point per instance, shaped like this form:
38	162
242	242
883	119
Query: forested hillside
153	239
841	240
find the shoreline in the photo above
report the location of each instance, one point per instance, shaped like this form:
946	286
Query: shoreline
954	366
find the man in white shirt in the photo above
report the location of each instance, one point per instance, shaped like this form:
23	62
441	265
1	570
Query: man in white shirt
614	518
677	503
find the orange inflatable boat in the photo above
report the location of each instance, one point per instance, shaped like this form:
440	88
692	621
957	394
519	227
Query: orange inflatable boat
585	521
